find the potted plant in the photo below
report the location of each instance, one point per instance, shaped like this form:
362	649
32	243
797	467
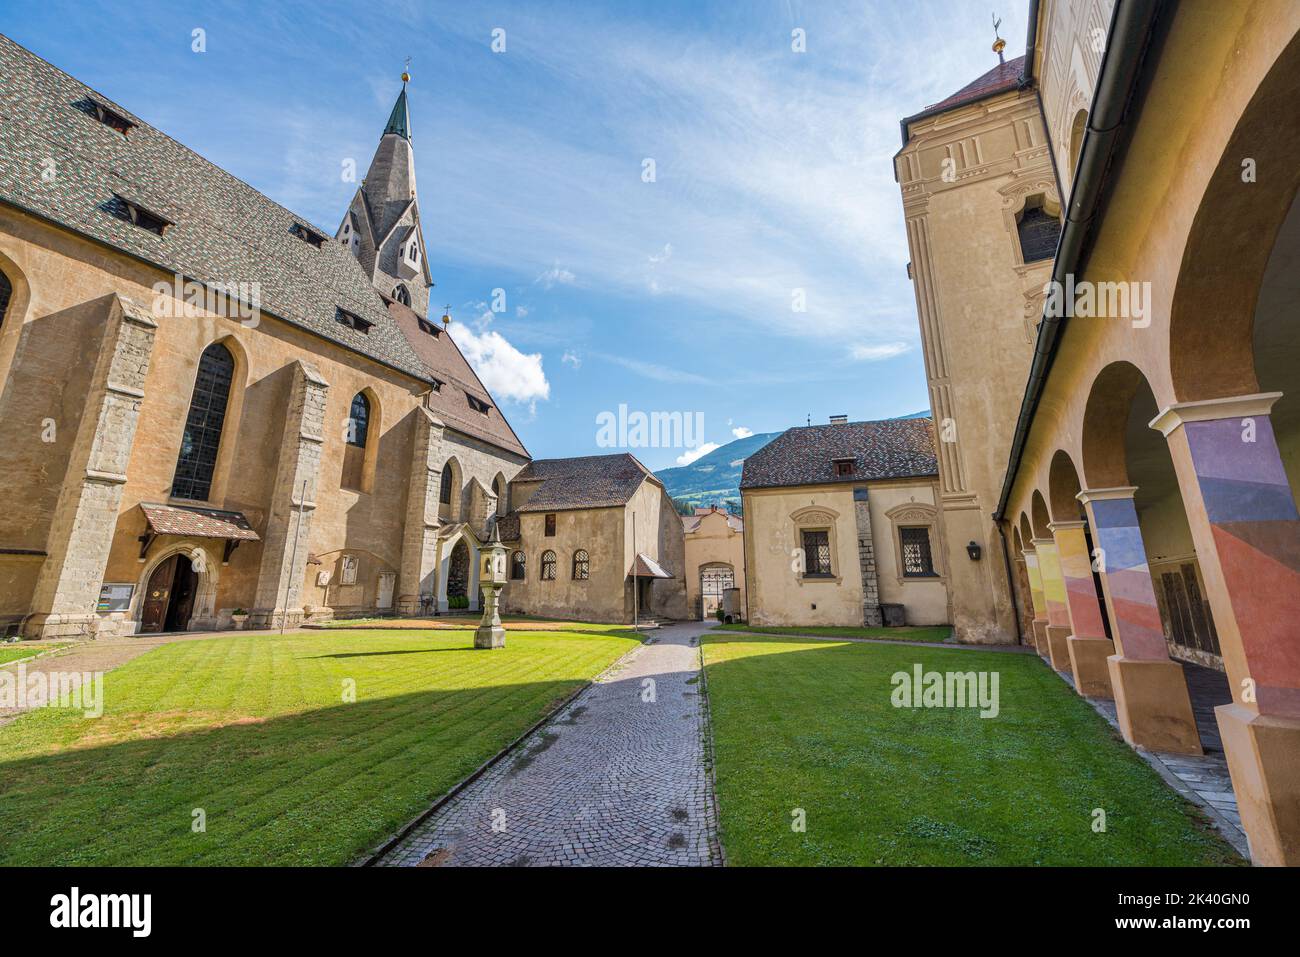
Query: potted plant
239	616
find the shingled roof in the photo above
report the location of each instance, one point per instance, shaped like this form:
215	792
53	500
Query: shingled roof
1002	78
806	455
223	230
590	481
457	379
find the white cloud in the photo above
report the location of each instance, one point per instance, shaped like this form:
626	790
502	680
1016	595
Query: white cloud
506	372
735	462
875	353
521	311
571	359
664	256
690	455
555	275
655	371
741	432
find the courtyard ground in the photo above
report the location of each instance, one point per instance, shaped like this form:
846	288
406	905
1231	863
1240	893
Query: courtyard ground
252	734
937	633
805	728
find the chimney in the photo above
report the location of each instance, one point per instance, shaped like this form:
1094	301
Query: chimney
839	420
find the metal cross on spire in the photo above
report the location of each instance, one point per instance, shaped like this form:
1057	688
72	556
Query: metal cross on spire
999	44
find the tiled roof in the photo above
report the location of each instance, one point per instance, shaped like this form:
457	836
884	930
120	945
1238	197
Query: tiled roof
884	449
647	567
194	522
1004	76
441	356
223	231
691	523
508	528
592	481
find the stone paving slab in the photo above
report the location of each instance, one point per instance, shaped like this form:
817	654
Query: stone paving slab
619	777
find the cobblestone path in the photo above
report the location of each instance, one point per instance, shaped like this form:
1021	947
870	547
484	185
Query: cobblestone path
618	777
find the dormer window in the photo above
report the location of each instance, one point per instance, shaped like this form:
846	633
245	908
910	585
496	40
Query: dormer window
133	212
478	405
428	328
307	235
408	255
110	117
352	320
844	468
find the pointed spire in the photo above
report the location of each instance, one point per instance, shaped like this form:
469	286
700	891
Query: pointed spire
399	121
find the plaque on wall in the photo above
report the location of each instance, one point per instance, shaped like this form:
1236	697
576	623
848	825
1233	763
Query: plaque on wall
115	596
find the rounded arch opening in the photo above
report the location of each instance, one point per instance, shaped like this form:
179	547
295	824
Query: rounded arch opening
449	485
1039	516
1063	488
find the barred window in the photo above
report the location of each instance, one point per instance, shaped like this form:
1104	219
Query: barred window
518	566
581	565
203	425
917	560
817	553
1039	231
548	566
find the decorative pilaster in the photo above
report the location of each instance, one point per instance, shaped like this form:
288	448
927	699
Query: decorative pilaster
85	517
1246	528
1087	644
1151	698
278	599
417	578
871	614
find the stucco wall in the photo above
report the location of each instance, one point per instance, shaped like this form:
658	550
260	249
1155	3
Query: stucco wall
713	541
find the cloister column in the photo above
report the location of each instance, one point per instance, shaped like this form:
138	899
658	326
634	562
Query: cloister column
420	533
1151	699
1246	529
1087	645
1058	616
1035	572
279	581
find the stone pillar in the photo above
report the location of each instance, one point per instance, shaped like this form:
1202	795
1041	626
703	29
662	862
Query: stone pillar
279	581
85	516
871	615
1039	624
1058	615
418	574
1151	699
1087	644
1246	528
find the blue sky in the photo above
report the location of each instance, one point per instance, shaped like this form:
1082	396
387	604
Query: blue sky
772	173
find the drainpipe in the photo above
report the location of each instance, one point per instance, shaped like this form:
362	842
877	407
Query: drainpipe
1131	28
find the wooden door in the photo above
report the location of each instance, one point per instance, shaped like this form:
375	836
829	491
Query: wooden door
157	596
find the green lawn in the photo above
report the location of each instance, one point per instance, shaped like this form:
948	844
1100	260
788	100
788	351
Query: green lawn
19	649
254	730
810	724
936	633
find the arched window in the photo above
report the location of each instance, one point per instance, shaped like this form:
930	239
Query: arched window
499	490
359	421
1038	231
581	565
198	455
1077	130
402	294
548	566
444	485
6	292
518	566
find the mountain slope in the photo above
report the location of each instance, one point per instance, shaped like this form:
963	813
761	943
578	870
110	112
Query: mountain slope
715	477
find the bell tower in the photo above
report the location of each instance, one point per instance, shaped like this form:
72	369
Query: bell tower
382	225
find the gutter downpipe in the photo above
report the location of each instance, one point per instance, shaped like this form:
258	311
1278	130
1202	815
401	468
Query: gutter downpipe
1126	44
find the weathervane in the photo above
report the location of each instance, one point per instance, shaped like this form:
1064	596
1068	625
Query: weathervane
999	44
446	316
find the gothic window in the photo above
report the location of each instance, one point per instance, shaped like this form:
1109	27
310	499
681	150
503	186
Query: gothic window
581	565
518	566
917	560
444	486
401	294
816	553
1038	231
359	421
6	291
548	566
207	415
